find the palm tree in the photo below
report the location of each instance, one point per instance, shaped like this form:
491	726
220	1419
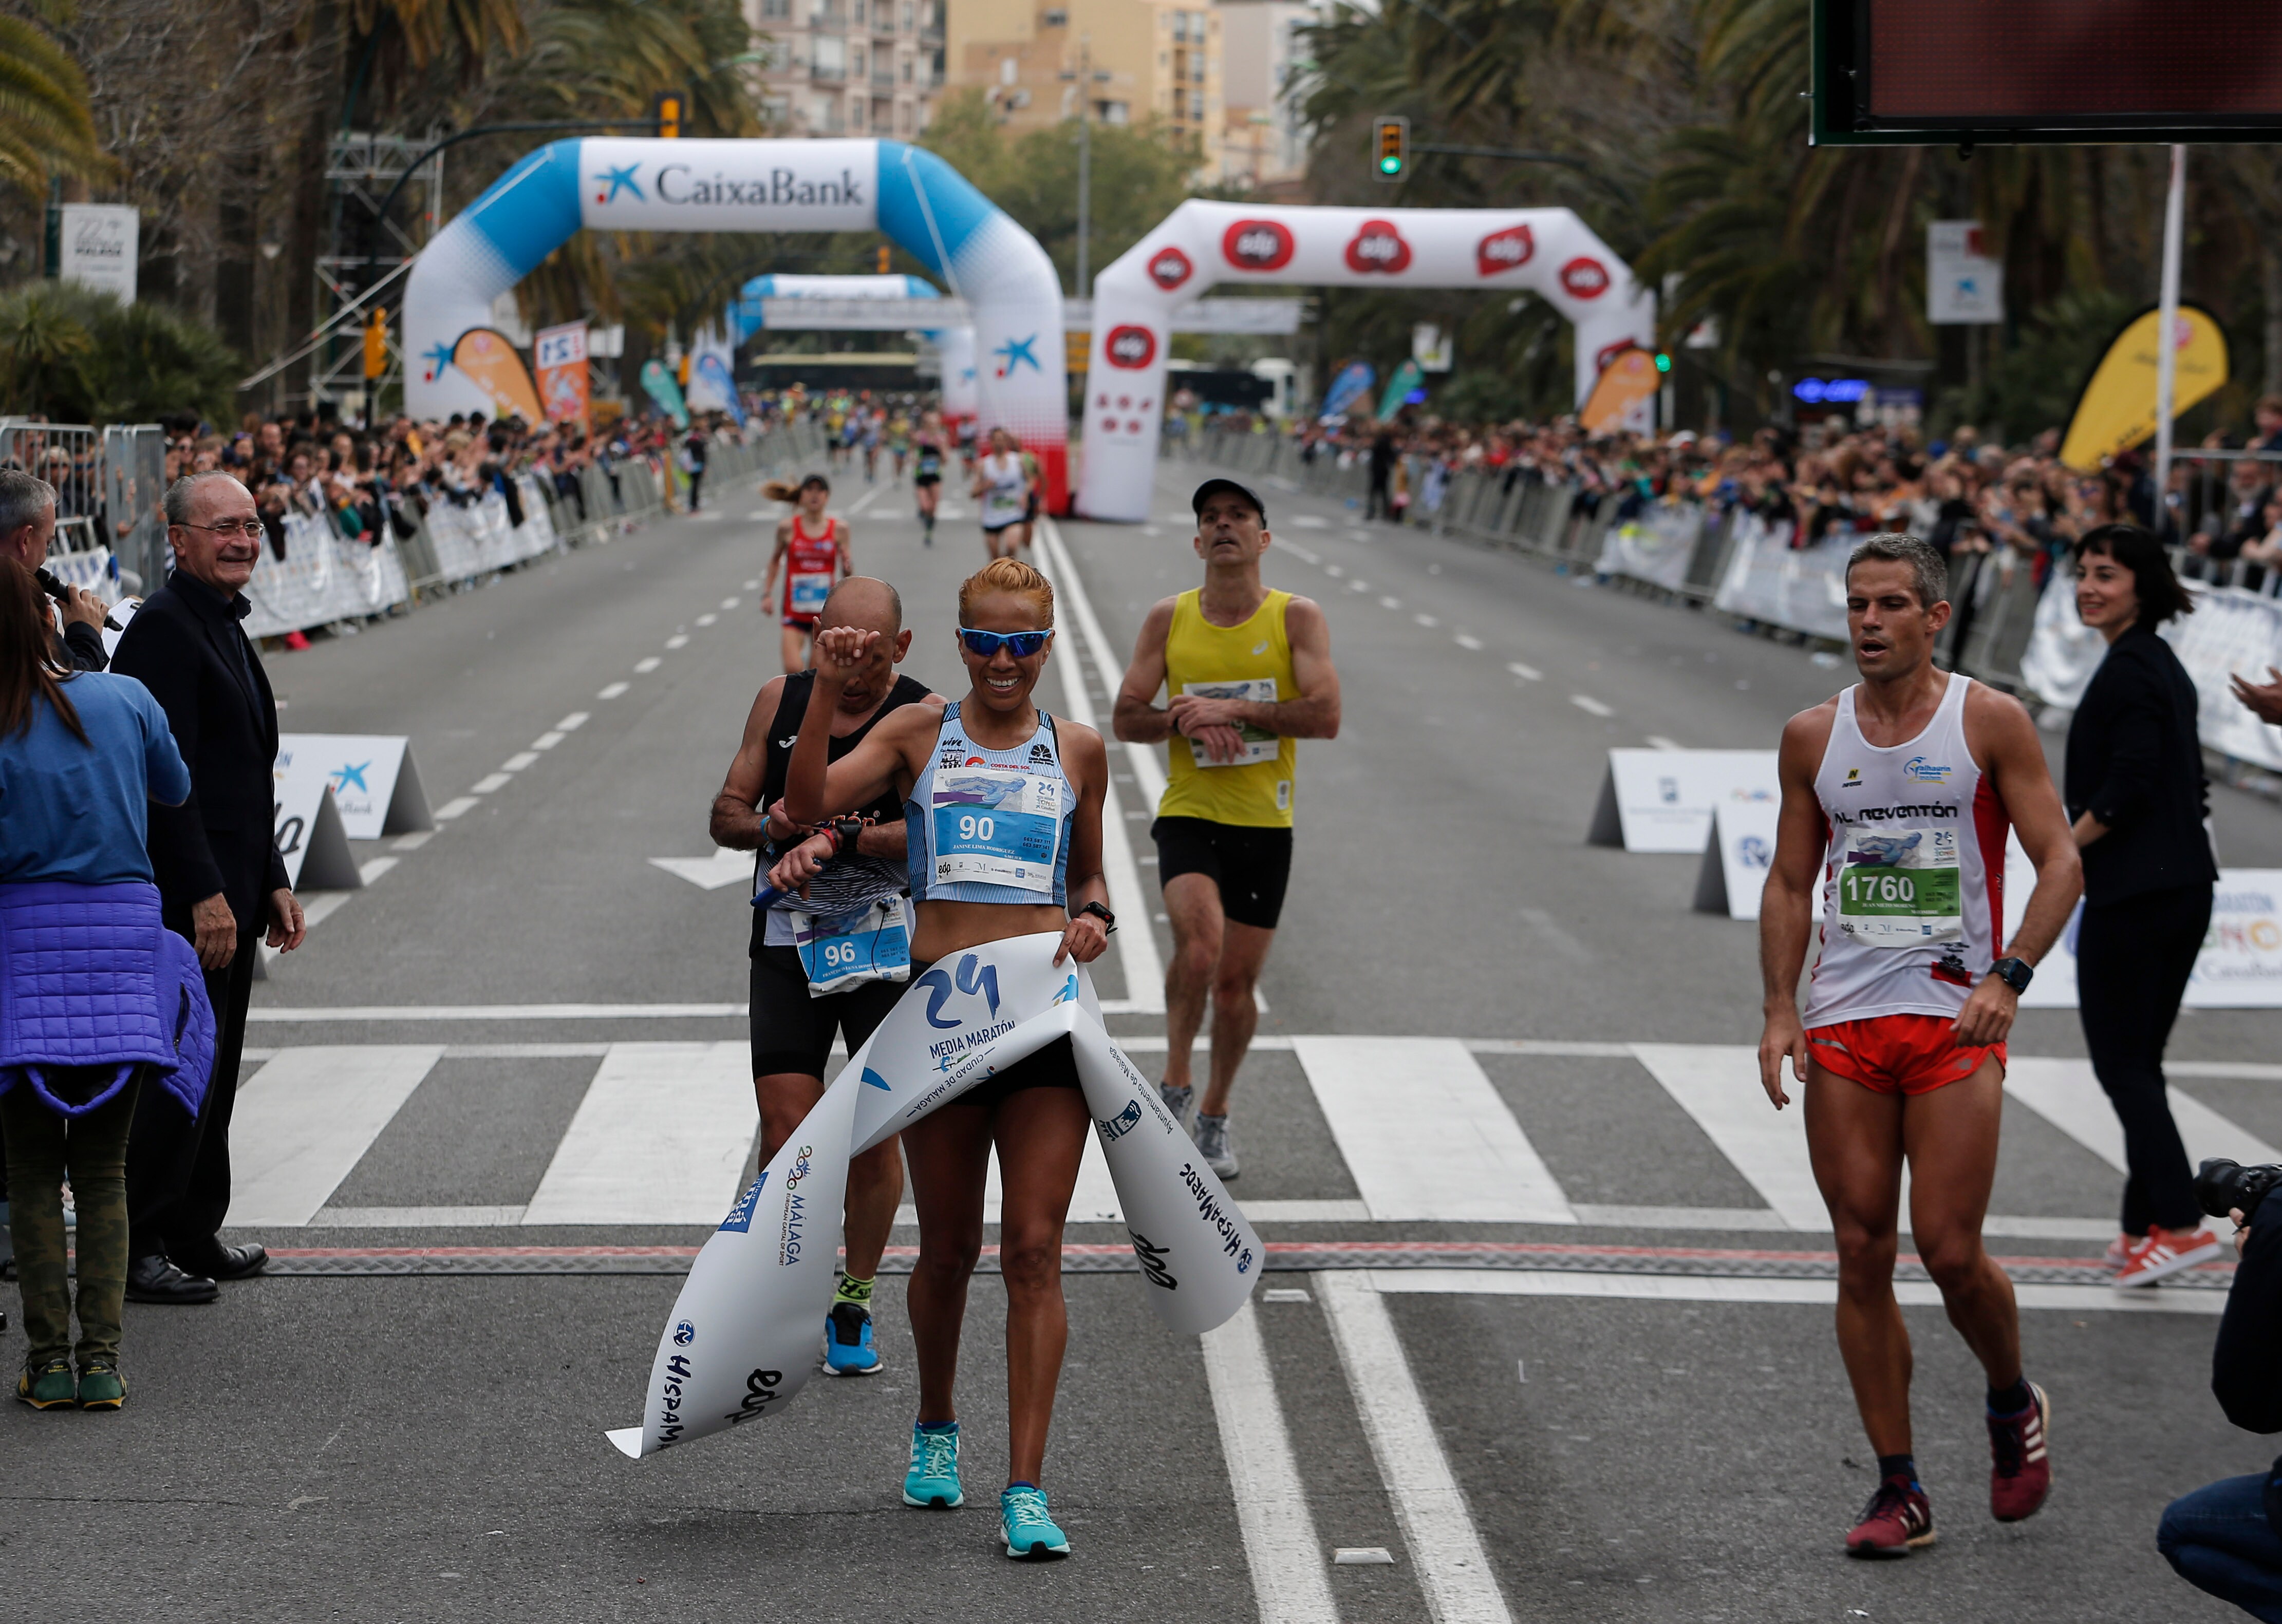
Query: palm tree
45	127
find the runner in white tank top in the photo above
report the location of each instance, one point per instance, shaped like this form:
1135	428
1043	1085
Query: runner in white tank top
1914	870
1896	794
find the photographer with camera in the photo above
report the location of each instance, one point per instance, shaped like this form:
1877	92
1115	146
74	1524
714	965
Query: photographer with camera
28	526
2226	1537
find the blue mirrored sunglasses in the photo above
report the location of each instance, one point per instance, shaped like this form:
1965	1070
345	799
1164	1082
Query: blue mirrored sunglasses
1022	644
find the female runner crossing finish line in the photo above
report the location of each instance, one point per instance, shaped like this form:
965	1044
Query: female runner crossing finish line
997	1041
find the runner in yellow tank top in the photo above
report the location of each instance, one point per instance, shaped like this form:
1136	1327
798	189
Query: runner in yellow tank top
1248	671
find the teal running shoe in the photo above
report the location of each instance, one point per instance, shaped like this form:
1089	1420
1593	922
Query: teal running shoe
847	1349
1028	1534
933	1480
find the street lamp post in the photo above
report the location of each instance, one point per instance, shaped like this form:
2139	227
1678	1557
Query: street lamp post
1085	78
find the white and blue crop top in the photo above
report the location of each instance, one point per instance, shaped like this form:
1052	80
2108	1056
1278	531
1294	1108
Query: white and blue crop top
990	825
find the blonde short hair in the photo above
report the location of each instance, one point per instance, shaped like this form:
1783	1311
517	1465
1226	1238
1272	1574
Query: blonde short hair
1013	577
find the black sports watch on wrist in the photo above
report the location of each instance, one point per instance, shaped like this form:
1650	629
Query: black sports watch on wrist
1108	920
2014	973
845	832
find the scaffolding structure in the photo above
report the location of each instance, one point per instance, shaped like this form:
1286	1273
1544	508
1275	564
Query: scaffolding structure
361	168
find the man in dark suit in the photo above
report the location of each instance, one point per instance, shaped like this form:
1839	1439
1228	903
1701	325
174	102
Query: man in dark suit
221	877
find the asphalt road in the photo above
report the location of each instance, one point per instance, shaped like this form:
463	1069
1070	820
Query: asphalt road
1637	1413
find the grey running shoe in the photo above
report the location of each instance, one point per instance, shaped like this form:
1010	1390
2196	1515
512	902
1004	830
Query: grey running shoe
1177	1101
1211	1134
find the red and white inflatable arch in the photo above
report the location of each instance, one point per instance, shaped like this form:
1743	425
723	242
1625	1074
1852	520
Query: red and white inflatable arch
1549	252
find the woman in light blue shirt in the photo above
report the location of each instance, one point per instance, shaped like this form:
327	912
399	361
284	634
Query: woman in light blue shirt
82	753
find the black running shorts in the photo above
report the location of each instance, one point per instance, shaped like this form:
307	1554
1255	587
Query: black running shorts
793	1031
1250	865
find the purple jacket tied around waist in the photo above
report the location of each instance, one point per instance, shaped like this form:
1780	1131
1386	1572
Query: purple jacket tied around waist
91	976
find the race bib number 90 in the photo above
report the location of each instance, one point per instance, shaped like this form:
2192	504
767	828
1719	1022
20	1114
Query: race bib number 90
1900	888
996	826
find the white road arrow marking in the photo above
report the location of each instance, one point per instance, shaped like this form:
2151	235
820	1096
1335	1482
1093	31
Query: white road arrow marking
723	867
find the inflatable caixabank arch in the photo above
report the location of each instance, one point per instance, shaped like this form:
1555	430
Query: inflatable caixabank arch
1200	245
647	184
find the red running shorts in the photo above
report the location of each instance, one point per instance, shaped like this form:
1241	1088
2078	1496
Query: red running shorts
1897	1053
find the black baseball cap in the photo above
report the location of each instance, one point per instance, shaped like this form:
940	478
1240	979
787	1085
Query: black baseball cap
1197	501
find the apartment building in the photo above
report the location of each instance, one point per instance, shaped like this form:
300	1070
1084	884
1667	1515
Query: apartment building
1263	139
849	67
1129	58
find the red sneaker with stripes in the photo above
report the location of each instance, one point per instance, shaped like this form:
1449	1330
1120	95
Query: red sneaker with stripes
2163	1253
2020	1474
1898	1520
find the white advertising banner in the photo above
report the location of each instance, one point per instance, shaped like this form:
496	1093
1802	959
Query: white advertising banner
742	1337
641	183
2240	967
2062	652
1769	581
307	826
324	576
1656	545
100	241
1662	800
375	784
1735	864
1964	285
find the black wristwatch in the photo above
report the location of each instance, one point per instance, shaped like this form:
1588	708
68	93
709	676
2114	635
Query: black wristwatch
1108	920
845	832
2014	973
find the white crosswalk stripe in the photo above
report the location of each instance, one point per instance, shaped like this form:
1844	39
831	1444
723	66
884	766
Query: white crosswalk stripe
661	1138
661	1133
2066	1094
1425	1133
304	1121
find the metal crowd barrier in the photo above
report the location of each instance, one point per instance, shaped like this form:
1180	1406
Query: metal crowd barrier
1567	524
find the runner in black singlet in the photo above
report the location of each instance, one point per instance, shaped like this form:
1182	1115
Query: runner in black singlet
843	865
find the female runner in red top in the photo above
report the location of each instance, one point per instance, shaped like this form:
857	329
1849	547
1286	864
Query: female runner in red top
813	550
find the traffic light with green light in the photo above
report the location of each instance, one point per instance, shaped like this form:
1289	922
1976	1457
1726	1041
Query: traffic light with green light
1663	361
1391	148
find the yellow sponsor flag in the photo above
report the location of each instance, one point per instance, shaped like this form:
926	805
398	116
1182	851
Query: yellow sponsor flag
2117	407
1625	383
495	366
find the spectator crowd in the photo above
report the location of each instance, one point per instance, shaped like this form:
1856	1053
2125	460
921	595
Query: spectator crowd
1830	480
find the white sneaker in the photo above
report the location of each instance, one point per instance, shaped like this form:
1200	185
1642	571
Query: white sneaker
1211	1134
1177	1101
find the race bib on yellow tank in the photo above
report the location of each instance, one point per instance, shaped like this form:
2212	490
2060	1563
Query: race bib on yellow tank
1900	888
1260	745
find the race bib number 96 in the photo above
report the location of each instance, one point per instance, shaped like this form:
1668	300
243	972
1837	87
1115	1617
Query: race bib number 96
1900	888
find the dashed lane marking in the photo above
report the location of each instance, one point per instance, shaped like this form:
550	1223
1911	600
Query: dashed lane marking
1587	703
614	689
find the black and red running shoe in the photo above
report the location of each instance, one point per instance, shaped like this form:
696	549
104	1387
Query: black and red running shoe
1898	1520
2020	1472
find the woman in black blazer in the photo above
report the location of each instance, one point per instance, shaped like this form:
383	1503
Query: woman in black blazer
2136	793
